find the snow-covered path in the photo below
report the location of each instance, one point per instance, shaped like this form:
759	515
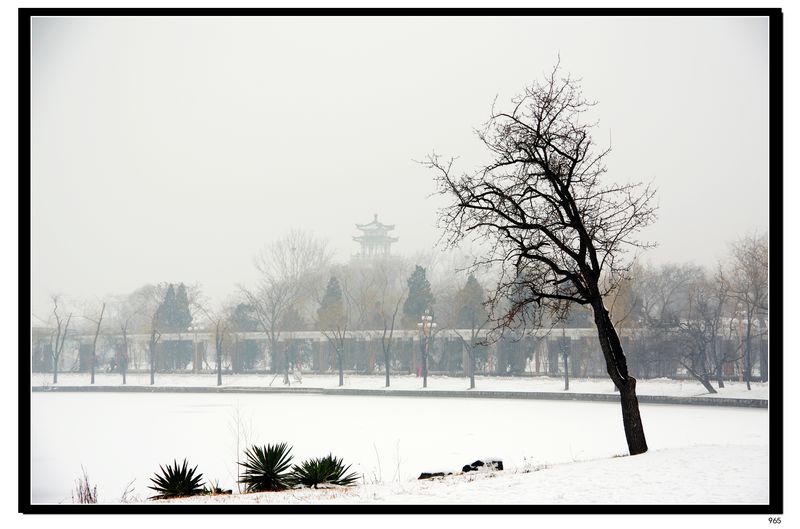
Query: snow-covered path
660	386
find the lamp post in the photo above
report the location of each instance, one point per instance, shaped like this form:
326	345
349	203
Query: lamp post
426	325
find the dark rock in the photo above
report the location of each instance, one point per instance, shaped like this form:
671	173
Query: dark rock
429	475
494	464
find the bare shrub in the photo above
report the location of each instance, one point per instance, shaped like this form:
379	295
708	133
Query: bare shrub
84	492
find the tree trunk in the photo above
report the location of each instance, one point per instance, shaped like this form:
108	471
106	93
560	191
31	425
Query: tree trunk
124	360
631	420
286	379
720	382
341	368
94	343
386	365
471	355
747	356
566	370
152	363
617	369
219	361
55	371
707	384
703	379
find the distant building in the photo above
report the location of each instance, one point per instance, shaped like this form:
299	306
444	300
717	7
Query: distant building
374	238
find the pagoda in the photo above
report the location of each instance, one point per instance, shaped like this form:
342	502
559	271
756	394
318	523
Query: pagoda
374	238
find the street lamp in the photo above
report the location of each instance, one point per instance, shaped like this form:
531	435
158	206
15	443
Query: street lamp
426	325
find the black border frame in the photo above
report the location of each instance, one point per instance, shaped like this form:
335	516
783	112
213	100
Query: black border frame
775	411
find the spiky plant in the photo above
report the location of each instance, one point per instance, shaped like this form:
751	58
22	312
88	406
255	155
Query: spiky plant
266	468
328	469
176	481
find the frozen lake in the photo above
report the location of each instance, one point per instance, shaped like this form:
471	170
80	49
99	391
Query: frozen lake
122	437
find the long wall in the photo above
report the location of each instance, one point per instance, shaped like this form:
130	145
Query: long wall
531	353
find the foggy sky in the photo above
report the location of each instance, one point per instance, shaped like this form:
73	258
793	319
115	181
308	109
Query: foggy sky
172	149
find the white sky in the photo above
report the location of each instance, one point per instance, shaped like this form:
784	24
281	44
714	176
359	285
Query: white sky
173	149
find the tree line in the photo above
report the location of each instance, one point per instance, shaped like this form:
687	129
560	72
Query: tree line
679	315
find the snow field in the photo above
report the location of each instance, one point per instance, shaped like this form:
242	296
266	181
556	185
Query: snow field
698	454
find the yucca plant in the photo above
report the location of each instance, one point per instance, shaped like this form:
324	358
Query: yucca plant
176	481
321	470
267	468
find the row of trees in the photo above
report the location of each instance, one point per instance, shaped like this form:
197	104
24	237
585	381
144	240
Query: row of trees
300	288
686	312
672	314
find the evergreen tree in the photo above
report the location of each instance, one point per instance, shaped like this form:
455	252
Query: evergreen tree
183	314
174	315
471	310
419	297
244	318
165	314
330	314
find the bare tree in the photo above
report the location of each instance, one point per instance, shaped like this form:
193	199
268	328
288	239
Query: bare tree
58	336
664	292
553	226
148	300
661	300
98	321
391	299
290	270
471	315
332	320
749	286
124	322
699	330
155	335
221	322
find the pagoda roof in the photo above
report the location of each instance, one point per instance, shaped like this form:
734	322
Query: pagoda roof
375	225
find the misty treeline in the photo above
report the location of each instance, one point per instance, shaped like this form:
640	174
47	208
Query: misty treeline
710	324
300	288
675	319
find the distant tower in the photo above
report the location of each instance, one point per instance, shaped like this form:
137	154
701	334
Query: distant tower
374	239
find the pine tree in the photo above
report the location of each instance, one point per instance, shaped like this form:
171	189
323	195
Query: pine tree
471	309
419	297
174	315
183	314
330	314
165	315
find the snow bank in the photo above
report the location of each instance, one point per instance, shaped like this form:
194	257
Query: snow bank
660	386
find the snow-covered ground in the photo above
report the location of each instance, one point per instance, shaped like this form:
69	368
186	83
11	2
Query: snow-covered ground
698	454
693	475
660	386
